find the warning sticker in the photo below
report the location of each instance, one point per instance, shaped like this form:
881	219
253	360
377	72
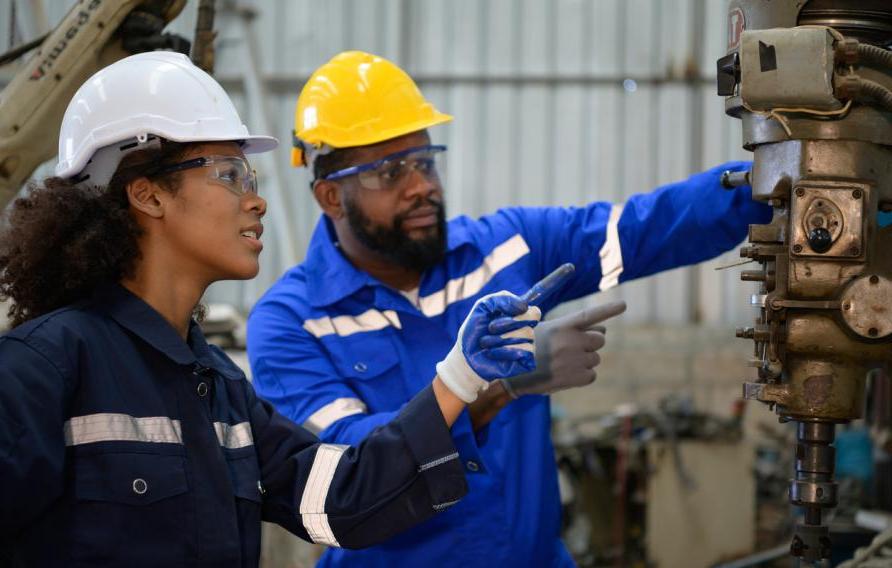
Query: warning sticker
736	25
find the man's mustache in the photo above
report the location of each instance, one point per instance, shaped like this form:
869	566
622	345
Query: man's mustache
424	202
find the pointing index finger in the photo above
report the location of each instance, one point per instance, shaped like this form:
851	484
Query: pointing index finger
590	316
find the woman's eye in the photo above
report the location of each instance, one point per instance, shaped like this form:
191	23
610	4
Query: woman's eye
230	176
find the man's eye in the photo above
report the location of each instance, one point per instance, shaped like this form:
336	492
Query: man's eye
425	165
393	171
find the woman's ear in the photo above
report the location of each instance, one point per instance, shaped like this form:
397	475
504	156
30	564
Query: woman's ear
144	197
328	196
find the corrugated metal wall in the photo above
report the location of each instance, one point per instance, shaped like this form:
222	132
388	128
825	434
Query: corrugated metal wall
555	102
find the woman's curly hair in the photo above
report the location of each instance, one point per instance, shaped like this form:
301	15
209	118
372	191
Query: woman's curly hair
60	241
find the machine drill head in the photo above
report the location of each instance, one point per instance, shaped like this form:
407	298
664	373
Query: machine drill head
811	82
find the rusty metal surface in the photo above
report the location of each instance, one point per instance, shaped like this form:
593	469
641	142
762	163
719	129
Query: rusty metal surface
825	282
866	305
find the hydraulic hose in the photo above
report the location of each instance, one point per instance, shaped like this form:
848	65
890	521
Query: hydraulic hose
875	92
875	55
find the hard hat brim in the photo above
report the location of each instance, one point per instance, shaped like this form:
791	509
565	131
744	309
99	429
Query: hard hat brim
258	144
374	137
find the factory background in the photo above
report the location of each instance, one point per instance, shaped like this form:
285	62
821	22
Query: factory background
556	102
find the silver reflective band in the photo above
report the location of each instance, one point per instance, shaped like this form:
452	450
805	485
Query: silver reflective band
107	427
312	502
471	283
371	320
611	253
234	436
332	412
441	506
437	462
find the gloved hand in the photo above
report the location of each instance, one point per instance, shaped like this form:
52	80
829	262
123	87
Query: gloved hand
566	352
483	353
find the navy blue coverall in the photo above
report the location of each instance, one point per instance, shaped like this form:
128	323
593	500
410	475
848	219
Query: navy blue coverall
123	445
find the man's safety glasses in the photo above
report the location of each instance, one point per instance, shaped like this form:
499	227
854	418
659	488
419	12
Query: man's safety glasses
232	172
393	171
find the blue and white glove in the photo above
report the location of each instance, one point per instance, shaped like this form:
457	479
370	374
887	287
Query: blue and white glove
496	341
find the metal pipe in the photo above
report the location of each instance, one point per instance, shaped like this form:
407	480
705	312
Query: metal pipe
203	46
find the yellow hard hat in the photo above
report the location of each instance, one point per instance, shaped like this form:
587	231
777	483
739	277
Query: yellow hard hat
357	99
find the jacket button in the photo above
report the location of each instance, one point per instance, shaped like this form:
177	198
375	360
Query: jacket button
360	367
472	466
140	486
202	388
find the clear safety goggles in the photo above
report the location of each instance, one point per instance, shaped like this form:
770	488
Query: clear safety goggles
393	171
232	172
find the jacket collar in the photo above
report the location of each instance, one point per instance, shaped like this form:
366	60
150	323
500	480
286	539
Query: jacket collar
135	315
331	277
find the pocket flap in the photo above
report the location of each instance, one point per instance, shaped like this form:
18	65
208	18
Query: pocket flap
364	359
245	474
129	478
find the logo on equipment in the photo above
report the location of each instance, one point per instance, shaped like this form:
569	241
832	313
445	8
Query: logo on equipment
736	25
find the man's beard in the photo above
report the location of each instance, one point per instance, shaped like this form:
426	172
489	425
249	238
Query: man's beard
394	244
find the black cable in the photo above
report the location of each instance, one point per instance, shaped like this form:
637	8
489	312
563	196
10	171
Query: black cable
22	49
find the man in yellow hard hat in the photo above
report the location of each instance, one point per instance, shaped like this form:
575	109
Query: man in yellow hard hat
340	343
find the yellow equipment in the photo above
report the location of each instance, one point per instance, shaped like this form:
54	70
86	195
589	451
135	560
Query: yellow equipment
357	99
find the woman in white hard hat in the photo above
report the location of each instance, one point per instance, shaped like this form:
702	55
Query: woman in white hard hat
126	440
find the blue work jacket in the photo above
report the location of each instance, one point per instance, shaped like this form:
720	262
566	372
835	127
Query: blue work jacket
123	445
341	353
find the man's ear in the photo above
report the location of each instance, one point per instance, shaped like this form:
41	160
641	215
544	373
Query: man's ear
328	196
144	196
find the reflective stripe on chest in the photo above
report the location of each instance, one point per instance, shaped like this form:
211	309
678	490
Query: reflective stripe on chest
111	427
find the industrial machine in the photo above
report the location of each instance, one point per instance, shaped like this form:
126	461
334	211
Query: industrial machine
811	81
94	34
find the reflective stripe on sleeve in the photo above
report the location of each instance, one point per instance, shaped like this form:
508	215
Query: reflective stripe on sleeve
611	253
312	502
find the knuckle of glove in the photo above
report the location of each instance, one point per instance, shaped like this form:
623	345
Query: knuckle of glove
521	333
596	341
595	360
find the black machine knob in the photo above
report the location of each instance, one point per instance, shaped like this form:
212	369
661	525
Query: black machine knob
727	74
820	240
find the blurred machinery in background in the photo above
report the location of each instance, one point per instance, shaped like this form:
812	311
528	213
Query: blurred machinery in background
643	485
93	34
811	82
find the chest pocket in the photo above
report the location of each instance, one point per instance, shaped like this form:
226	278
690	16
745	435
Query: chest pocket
245	473
371	367
364	358
124	504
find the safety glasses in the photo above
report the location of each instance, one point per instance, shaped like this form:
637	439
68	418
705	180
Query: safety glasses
394	170
232	172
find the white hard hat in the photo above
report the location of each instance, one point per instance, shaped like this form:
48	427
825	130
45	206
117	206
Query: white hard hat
131	102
